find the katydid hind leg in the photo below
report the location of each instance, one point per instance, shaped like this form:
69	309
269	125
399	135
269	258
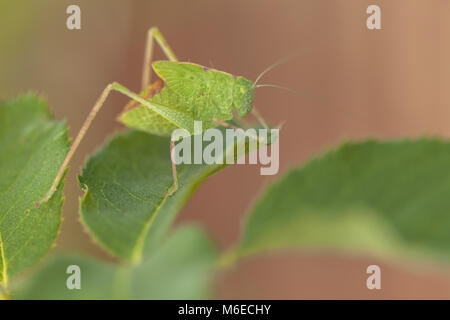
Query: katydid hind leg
152	35
87	123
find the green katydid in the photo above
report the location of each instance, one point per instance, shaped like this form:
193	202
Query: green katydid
191	92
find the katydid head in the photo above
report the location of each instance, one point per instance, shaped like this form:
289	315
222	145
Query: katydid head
243	93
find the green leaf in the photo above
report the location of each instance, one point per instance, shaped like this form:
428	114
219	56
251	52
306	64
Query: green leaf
125	206
181	269
32	149
49	281
390	197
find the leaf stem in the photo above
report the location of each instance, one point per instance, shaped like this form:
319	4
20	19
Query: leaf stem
227	259
4	293
4	268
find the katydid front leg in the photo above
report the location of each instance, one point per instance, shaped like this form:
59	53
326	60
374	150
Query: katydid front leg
174	187
260	119
227	125
178	119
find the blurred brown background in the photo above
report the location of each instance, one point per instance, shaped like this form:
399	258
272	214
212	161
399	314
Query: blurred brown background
385	83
